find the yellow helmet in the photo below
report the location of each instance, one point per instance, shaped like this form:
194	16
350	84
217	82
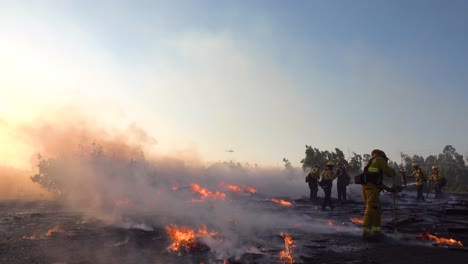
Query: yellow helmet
377	152
330	163
435	167
415	164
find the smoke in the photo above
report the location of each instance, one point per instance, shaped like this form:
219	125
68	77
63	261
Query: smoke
117	176
16	185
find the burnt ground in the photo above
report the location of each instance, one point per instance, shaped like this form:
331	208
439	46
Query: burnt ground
83	240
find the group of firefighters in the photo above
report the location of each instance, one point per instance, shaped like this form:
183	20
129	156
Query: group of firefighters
371	181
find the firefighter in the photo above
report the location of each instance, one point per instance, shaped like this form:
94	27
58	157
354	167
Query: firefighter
438	181
312	179
420	177
342	181
326	183
374	171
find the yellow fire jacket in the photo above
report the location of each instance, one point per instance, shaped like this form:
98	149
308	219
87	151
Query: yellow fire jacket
420	176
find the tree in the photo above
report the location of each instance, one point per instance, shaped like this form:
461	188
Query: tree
48	175
287	164
355	164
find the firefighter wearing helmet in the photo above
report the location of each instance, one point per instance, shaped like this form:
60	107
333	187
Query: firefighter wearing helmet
342	181
374	171
327	183
312	179
421	179
438	181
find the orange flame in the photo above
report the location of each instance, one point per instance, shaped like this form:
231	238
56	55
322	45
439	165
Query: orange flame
203	232
441	240
48	235
185	238
236	188
181	237
233	188
54	230
356	220
282	202
204	193
250	189
286	254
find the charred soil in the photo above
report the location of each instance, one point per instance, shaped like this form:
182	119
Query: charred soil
44	232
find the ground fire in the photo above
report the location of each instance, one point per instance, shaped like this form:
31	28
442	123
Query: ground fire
281	202
235	188
286	254
356	220
205	193
54	231
441	240
185	238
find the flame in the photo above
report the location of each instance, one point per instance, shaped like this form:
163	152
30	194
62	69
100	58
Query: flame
54	230
204	193
356	220
48	235
441	240
250	189
230	187
203	232
286	254
282	202
186	238
181	237
124	202
235	188
330	223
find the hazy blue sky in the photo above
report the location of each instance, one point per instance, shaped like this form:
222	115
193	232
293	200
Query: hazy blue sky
264	78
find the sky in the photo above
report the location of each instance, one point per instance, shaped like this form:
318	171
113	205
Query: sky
263	78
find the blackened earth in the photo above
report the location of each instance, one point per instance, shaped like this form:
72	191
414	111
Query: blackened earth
85	241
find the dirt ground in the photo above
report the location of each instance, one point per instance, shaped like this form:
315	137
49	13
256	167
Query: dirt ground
82	240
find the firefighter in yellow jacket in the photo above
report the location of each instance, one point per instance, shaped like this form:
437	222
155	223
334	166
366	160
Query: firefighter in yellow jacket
421	179
327	183
437	180
374	171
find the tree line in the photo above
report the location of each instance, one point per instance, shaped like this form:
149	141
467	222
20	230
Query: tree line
451	164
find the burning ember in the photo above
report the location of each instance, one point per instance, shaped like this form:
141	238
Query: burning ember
356	220
30	237
50	233
286	254
282	202
204	193
186	238
441	240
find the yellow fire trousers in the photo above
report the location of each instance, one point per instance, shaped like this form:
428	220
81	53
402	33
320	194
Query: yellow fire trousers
373	214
